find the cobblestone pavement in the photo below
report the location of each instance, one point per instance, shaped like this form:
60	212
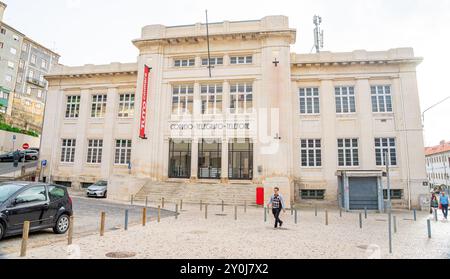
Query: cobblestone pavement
87	221
191	236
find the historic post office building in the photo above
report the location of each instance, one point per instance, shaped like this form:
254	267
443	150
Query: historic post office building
316	125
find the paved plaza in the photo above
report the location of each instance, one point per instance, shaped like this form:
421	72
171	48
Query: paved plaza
220	236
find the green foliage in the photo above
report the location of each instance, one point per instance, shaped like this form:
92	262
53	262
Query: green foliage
9	128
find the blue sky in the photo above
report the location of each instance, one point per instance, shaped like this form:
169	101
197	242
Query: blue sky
100	31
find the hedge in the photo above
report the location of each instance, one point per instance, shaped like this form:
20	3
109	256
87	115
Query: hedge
9	128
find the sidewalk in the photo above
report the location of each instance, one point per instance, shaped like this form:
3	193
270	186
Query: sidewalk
191	236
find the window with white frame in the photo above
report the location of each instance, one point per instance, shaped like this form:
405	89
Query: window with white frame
73	106
211	95
236	60
190	62
126	105
311	152
213	61
11	65
182	99
94	152
98	106
13	51
309	100
348	155
345	99
33	59
383	145
123	152
44	64
24	47
241	97
31	74
29	90
39	93
381	98
68	150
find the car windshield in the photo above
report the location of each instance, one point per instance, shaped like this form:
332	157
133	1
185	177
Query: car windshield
100	185
6	190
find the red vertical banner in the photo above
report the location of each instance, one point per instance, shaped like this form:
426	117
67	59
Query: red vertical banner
143	120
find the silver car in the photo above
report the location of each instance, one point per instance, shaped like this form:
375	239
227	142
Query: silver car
98	189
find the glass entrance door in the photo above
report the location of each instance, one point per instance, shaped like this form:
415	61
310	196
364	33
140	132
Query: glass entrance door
209	159
180	159
240	159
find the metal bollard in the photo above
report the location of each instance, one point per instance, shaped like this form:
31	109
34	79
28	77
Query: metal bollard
206	211
415	214
201	205
365	212
340	212
144	216
395	224
181	205
315	210
159	214
295	216
126	219
292	208
223	206
390	231
245	206
435	215
146	201
102	223
235	212
70	233
360	220
265	214
176	211
132	200
25	232
162	203
326	217
429	228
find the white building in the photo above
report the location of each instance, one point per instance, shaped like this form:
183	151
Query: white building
438	165
316	125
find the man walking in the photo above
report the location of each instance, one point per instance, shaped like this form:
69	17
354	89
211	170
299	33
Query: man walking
444	204
277	203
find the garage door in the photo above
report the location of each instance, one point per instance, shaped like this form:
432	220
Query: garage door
363	192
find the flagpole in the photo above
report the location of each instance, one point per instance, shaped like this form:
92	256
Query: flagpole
209	50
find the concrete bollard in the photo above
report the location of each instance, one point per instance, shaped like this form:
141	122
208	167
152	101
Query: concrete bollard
176	211
162	203
126	220
360	220
415	215
235	212
395	224
265	214
159	214
144	216
206	211
25	232
102	223
326	217
70	233
429	228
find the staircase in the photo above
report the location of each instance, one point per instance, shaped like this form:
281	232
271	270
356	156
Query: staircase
211	193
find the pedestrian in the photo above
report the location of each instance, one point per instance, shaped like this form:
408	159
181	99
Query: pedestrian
434	204
277	203
443	200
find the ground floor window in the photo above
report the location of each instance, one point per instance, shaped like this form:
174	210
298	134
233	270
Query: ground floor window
209	159
64	183
180	158
312	194
240	159
123	152
95	150
395	194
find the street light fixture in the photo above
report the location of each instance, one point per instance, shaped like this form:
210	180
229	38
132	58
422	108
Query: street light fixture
433	106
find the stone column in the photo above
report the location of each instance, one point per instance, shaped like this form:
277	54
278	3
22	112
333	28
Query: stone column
108	133
81	146
194	160
364	111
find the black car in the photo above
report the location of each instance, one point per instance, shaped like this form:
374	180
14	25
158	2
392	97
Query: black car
9	157
44	205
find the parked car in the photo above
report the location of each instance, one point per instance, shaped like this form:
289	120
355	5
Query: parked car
98	189
32	155
44	205
9	157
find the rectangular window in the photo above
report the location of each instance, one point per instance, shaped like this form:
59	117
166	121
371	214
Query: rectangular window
31	74
383	145
381	98
3	31
13	51
309	101
184	62
126	105
211	95
311	153
182	99
312	194
213	61
73	106
24	47
44	64
39	93
395	194
345	99
11	65
123	152
241	98
98	108
236	60
8	78
348	155
33	59
94	154
68	150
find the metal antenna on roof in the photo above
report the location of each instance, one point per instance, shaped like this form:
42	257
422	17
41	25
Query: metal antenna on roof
318	33
209	50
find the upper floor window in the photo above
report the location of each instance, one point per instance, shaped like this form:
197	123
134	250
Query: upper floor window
11	65
33	59
13	51
241	98
3	31
98	108
211	95
348	152
24	47
309	100
213	61
73	106
383	146
184	62
68	150
234	60
44	64
183	99
345	99
311	153
381	98
126	105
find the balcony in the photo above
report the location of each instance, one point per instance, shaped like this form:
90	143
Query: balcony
37	82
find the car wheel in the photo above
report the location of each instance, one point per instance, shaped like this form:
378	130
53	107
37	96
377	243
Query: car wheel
62	224
2	230
105	195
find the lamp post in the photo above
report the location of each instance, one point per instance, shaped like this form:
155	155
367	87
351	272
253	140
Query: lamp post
386	161
433	106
